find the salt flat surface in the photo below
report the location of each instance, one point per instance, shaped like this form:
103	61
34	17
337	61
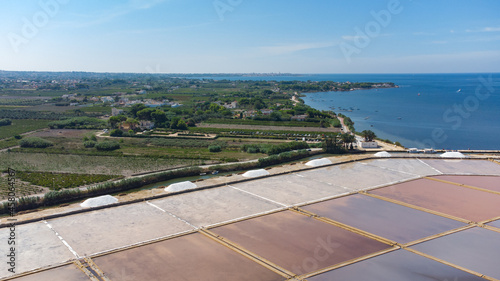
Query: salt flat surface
408	166
214	205
291	189
36	246
355	176
110	228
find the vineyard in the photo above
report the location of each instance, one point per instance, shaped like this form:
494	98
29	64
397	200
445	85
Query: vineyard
56	181
22	188
20	126
260	133
263	123
86	164
183	143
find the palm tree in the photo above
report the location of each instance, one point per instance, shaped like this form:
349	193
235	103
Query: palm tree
368	135
347	140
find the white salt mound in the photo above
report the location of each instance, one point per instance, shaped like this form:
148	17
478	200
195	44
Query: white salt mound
383	154
319	162
99	201
453	154
180	186
255	173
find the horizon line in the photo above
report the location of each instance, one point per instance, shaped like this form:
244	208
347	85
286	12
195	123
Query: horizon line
245	73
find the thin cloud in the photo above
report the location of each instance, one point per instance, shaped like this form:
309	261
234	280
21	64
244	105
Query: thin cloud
289	49
485	29
421	33
357	37
108	15
439	42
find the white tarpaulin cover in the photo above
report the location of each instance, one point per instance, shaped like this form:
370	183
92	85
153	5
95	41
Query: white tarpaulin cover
453	154
99	201
383	154
180	186
318	162
255	173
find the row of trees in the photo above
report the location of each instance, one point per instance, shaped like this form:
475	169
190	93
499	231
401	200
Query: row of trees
343	142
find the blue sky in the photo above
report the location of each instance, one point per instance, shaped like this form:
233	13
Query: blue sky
226	36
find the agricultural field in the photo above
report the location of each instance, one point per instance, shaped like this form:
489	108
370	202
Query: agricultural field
87	164
268	132
263	123
56	181
20	126
22	188
7	143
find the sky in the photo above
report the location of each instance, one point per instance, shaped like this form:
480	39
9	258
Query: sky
246	36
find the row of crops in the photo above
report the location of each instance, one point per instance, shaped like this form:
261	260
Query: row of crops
56	181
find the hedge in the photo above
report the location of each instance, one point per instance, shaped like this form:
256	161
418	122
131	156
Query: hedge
35	142
107	146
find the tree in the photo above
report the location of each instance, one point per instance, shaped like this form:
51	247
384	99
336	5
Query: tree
347	140
331	145
130	122
181	125
368	135
116	133
145	114
174	122
136	108
114	120
159	117
259	104
191	123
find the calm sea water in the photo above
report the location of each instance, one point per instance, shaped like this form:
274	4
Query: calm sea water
450	111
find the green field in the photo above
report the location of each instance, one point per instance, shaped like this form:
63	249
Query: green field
6	143
257	133
20	126
22	188
87	164
56	181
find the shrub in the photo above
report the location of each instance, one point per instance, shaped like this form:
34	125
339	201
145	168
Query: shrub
35	142
78	123
214	148
274	149
116	133
89	144
107	146
282	157
5	122
18	137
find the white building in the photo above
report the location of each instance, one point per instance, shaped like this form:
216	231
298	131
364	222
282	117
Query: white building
367	144
116	111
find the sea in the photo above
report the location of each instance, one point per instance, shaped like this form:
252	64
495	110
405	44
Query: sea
440	111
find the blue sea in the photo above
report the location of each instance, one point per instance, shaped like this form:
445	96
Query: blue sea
441	111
